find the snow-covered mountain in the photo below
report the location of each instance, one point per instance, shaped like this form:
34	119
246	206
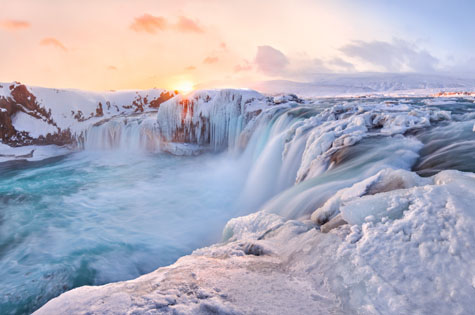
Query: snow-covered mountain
369	84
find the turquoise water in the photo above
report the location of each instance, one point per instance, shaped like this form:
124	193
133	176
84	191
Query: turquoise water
93	218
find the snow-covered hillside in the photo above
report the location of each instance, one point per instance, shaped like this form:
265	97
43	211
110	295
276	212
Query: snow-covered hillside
34	115
397	84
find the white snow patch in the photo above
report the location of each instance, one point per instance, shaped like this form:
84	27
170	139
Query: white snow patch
31	152
34	126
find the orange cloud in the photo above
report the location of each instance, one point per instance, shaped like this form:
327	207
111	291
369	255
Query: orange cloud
50	41
190	68
149	24
185	24
112	68
209	60
246	66
14	25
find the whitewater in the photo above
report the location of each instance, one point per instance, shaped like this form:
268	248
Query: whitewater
249	204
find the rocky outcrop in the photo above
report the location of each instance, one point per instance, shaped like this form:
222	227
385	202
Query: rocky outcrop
60	116
453	93
22	100
163	98
141	103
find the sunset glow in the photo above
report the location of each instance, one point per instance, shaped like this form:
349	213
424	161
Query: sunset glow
120	44
184	87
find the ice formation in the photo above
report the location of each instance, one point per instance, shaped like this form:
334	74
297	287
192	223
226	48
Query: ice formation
214	118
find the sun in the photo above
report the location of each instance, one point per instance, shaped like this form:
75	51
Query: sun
184	87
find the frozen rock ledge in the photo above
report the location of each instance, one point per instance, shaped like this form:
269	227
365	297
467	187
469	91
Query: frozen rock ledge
421	261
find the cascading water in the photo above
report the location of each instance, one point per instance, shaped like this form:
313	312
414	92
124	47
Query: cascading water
131	134
122	207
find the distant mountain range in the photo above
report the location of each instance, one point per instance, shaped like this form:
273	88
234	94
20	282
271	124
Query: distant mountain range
367	84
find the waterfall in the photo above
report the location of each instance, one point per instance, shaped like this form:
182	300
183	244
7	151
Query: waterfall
133	134
307	150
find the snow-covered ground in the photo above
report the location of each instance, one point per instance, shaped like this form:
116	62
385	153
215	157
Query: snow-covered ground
376	84
30	152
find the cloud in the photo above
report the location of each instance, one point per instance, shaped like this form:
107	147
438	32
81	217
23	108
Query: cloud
14	25
271	61
149	24
315	65
461	66
190	68
396	56
245	66
185	24
210	60
342	64
113	68
50	41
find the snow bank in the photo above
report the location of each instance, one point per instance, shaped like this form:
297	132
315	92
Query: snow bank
31	152
33	126
348	198
419	262
361	84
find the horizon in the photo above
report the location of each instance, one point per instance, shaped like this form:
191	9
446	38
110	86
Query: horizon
266	85
124	45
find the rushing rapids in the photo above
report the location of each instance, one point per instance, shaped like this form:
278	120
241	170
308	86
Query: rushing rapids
347	167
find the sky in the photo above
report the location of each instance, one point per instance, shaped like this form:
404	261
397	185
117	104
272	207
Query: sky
139	44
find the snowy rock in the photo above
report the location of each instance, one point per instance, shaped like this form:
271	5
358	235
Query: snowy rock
32	115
